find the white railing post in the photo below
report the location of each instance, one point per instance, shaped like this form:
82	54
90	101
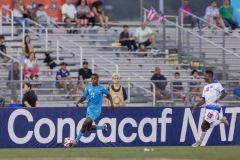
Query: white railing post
129	88
154	94
176	32
81	56
46	40
1	21
11	20
21	84
92	64
57	51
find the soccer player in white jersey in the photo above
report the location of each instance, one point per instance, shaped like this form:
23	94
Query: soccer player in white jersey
213	92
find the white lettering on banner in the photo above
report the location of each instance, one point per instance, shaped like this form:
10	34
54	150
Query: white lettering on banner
164	120
60	123
153	135
11	120
121	130
112	137
85	139
234	112
37	132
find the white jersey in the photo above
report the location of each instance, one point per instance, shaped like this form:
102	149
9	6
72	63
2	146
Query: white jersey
211	93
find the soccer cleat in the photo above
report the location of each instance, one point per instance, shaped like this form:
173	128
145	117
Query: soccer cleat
75	142
224	121
197	144
105	128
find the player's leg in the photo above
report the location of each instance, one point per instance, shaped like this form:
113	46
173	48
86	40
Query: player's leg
91	127
217	122
83	129
205	126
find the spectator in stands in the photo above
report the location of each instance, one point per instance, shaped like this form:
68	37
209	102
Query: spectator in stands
14	74
195	86
227	14
99	13
145	37
188	19
127	40
161	92
178	89
64	78
30	99
19	13
84	14
117	92
5	59
84	74
69	14
48	59
30	67
42	16
212	14
27	47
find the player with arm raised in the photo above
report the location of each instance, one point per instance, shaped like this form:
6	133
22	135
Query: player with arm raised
213	92
94	92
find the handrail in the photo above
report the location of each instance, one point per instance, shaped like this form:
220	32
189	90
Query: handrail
4	7
21	71
203	20
80	48
105	59
46	31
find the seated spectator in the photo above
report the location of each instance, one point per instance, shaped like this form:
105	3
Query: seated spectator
84	14
69	13
5	59
19	13
99	13
84	74
30	99
126	40
161	92
117	92
27	48
14	74
195	86
42	16
64	78
48	59
30	67
178	89
145	37
188	19
212	14
227	14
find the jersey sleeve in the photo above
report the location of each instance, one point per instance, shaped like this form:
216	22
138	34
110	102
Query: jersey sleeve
203	93
219	87
85	93
105	91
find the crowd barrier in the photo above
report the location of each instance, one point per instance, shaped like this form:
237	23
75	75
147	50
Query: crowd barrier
128	126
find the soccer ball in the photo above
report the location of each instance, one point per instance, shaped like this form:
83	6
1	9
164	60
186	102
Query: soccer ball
68	142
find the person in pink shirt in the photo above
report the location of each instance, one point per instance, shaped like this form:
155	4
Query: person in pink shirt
187	18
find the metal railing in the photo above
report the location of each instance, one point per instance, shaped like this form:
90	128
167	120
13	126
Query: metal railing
106	60
12	24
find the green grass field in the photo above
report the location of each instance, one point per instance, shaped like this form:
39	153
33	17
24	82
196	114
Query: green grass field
160	153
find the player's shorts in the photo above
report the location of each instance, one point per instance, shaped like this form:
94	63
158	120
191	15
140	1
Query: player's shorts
211	115
93	114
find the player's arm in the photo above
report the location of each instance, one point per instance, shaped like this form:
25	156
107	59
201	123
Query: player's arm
80	101
111	101
224	94
27	104
198	104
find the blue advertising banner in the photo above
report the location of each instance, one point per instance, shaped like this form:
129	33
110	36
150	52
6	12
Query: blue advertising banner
128	126
236	6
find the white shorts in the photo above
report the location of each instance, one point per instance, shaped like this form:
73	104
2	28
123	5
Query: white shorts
211	115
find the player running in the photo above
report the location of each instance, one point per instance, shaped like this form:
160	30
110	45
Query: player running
213	92
94	92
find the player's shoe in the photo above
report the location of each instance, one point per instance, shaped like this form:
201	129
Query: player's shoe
197	144
224	121
75	142
105	128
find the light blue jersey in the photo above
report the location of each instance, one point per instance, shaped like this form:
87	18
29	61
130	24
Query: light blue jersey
95	96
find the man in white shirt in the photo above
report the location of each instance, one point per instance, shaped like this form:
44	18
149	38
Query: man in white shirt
213	92
212	13
145	37
69	13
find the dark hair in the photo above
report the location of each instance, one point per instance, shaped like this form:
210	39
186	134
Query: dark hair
2	37
80	1
213	1
26	46
208	72
96	75
29	85
16	63
177	73
194	71
47	54
97	4
40	5
125	26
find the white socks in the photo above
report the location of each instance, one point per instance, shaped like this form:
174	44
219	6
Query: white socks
202	136
215	123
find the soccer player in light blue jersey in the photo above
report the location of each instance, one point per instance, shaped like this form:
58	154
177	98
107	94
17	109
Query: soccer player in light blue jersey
94	92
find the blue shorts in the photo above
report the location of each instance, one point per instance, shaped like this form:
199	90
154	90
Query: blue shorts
93	114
